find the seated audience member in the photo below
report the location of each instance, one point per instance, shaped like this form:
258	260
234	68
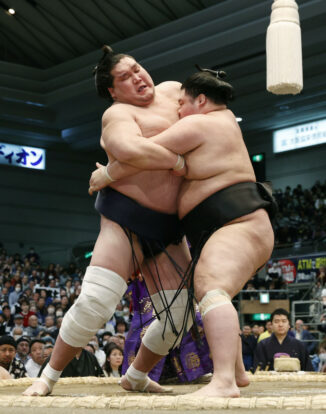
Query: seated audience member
8	360
25	311
304	335
84	364
33	366
17	332
121	327
267	333
255	330
114	359
41	309
280	342
18	323
55	333
319	360
33	328
15	295
50	327
8	317
99	353
119	340
23	349
106	336
249	343
48	348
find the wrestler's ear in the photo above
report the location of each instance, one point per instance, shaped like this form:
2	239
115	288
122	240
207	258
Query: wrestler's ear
201	100
111	90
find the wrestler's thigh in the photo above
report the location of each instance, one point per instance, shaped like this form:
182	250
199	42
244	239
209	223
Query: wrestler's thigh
232	255
113	251
161	273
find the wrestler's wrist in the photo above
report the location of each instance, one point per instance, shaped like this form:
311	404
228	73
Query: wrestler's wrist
179	164
107	174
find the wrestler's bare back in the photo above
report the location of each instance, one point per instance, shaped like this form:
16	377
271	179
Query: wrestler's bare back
158	189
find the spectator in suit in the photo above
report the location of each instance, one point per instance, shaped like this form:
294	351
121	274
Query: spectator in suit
280	342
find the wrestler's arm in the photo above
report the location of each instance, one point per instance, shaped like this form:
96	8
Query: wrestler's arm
133	152
123	139
183	136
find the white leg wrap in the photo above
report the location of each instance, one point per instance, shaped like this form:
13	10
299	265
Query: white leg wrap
153	338
213	299
101	291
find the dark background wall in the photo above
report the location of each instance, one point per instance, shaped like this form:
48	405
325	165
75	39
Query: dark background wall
49	210
304	166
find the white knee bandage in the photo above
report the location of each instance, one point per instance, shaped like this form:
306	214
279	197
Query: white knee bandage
213	299
153	338
101	291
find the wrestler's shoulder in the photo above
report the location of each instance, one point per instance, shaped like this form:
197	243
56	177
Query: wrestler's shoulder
116	110
168	87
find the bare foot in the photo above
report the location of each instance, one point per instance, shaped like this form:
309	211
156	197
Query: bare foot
37	389
242	379
214	390
148	386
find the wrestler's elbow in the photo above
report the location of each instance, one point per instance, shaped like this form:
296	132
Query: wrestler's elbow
127	155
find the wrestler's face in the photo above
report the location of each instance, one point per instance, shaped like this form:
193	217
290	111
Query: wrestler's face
187	105
280	324
132	84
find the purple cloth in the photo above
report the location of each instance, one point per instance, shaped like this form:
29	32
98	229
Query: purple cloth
143	316
190	360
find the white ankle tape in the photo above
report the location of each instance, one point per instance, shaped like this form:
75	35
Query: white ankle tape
137	379
213	299
51	373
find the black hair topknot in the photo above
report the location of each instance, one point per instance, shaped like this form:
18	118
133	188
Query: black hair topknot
220	74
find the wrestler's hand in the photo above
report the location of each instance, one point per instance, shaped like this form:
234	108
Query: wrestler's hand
98	179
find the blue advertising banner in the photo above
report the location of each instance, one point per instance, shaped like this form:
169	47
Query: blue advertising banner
300	268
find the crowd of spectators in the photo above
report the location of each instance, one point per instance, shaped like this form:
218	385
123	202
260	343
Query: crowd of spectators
33	301
301	214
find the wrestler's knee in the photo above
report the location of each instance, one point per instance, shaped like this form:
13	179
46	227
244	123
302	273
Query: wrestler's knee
101	291
166	332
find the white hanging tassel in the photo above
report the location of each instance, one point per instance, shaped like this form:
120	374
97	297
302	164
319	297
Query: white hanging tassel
283	49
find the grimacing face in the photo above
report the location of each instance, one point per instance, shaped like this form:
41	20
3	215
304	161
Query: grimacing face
132	84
